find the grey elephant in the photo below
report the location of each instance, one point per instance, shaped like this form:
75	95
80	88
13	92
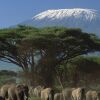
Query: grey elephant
67	93
58	96
47	94
78	94
92	95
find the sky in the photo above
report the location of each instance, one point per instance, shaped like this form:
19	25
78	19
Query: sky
13	12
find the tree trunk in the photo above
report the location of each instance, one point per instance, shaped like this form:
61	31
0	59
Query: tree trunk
60	82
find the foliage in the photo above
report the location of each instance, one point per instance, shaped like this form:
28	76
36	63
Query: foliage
53	45
8	72
82	69
7	77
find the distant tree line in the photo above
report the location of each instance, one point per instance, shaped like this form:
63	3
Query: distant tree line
8	72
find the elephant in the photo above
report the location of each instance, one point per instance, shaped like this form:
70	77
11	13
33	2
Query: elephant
67	93
25	90
18	92
58	96
92	95
47	94
4	91
14	88
78	94
31	91
37	91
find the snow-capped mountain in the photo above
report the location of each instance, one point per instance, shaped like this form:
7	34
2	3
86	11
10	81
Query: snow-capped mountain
86	19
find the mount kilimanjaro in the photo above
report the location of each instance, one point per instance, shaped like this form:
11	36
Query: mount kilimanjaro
86	19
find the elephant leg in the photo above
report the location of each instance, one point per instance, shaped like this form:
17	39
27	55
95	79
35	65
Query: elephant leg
18	97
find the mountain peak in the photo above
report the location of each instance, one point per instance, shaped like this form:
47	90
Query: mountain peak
62	13
86	19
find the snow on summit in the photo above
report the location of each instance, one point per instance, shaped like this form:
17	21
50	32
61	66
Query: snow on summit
62	13
86	19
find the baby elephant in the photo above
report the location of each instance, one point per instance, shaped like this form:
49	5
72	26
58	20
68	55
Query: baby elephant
67	93
78	94
58	96
37	91
47	94
92	95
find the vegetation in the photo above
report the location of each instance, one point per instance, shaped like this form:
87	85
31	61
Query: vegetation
34	98
7	77
46	54
83	69
7	72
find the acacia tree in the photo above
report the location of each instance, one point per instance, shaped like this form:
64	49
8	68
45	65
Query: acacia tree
54	46
14	50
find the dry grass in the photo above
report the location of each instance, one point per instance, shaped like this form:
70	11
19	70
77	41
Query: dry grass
34	98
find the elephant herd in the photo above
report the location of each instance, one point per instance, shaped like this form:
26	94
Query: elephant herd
43	93
79	93
14	92
23	92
